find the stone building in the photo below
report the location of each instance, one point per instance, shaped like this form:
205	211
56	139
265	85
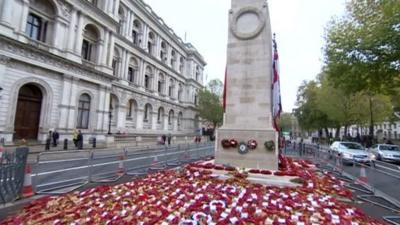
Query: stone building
91	64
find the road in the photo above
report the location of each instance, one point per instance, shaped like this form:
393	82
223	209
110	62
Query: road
61	169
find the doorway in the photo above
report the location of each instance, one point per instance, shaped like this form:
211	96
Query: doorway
27	115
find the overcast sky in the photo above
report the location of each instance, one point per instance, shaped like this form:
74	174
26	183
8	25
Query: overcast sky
298	24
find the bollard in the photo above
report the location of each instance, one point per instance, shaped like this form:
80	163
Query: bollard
65	147
94	142
47	146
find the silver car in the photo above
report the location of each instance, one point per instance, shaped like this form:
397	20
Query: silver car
386	152
351	152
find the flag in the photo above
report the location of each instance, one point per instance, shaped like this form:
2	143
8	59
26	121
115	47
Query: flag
224	93
276	91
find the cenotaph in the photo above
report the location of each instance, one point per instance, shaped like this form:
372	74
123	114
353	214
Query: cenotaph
248	110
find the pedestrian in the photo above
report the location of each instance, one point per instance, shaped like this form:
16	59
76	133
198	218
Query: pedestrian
55	137
169	138
75	137
80	139
164	139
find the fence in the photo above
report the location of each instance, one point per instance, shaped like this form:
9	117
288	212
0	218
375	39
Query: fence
61	172
378	178
12	170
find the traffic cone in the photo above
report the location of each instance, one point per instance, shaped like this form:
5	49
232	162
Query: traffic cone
27	190
155	165
121	169
362	179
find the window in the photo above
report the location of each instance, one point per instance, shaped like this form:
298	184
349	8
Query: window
159	115
83	111
134	37
86	50
131	75
115	66
149	47
147	81
170	91
181	64
90	38
130	106
173	59
35	28
146	113
170	117
195	99
159	86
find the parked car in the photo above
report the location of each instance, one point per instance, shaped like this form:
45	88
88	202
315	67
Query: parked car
386	152
351	152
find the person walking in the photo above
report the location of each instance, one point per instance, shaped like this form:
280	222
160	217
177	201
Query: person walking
169	138
80	140
164	139
75	137
55	137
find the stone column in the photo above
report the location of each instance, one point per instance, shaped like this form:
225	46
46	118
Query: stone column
105	51
145	36
166	125
121	116
65	102
116	8
71	31
130	25
154	115
79	35
102	109
57	33
72	104
111	50
24	16
7	12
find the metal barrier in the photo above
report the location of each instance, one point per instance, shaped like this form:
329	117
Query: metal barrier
64	177
64	171
373	176
12	171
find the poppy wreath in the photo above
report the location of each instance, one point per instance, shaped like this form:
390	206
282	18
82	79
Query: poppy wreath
269	145
234	143
252	144
226	143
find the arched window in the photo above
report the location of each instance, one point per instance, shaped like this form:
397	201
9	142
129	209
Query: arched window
197	73
173	59
147	113
160	115
131	109
180	117
181	64
115	62
161	81
150	42
40	20
83	111
137	29
171	88
147	78
163	52
132	71
180	91
89	43
171	117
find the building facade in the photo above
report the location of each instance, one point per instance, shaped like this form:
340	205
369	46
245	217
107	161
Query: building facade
100	66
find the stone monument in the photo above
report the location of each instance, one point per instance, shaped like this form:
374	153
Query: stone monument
248	112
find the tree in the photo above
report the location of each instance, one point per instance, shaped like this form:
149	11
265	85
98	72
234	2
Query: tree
285	122
362	51
210	107
216	87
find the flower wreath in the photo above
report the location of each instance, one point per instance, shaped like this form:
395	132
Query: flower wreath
252	144
226	143
269	145
234	143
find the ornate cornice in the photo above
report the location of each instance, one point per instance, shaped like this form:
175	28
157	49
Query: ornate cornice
15	50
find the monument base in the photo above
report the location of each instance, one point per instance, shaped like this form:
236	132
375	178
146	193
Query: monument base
258	158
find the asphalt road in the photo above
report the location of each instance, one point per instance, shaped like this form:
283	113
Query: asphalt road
62	169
